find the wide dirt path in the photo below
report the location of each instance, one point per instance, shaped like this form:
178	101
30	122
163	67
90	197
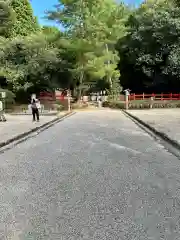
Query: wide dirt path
95	175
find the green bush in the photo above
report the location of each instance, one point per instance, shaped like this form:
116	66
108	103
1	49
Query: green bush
10	98
58	102
80	105
142	104
58	106
114	104
134	105
166	104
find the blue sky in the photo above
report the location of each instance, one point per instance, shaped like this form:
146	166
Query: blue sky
40	6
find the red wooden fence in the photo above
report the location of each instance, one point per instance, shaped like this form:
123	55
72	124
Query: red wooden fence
162	96
49	96
46	96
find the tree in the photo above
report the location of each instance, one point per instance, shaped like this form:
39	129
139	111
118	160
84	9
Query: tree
47	30
25	23
149	48
32	58
88	25
30	62
106	28
7	19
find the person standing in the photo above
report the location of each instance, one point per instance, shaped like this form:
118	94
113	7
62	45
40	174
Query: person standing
99	101
2	116
35	105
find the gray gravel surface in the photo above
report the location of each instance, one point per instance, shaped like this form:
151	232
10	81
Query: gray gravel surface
95	175
164	120
20	124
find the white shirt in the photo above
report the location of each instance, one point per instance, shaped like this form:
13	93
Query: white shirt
38	104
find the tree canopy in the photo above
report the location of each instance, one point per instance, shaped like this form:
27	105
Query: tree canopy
7	18
92	29
150	51
103	45
26	23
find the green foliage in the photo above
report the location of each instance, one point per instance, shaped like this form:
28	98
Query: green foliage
149	53
30	62
80	105
25	23
47	30
58	106
104	43
10	97
91	29
81	58
7	18
115	104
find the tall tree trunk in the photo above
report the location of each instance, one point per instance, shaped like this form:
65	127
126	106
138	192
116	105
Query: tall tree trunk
109	78
80	85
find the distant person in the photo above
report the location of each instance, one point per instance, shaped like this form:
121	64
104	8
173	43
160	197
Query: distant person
35	106
99	99
2	117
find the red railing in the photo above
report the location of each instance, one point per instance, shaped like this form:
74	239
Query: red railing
46	96
162	96
49	96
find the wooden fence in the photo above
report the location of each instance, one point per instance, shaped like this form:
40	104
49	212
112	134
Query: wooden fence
49	96
162	96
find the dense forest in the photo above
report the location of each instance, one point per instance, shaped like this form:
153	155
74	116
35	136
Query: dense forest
104	44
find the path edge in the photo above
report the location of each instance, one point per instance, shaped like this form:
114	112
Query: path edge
36	129
159	134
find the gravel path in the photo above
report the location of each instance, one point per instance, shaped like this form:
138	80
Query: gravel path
95	175
164	120
17	125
